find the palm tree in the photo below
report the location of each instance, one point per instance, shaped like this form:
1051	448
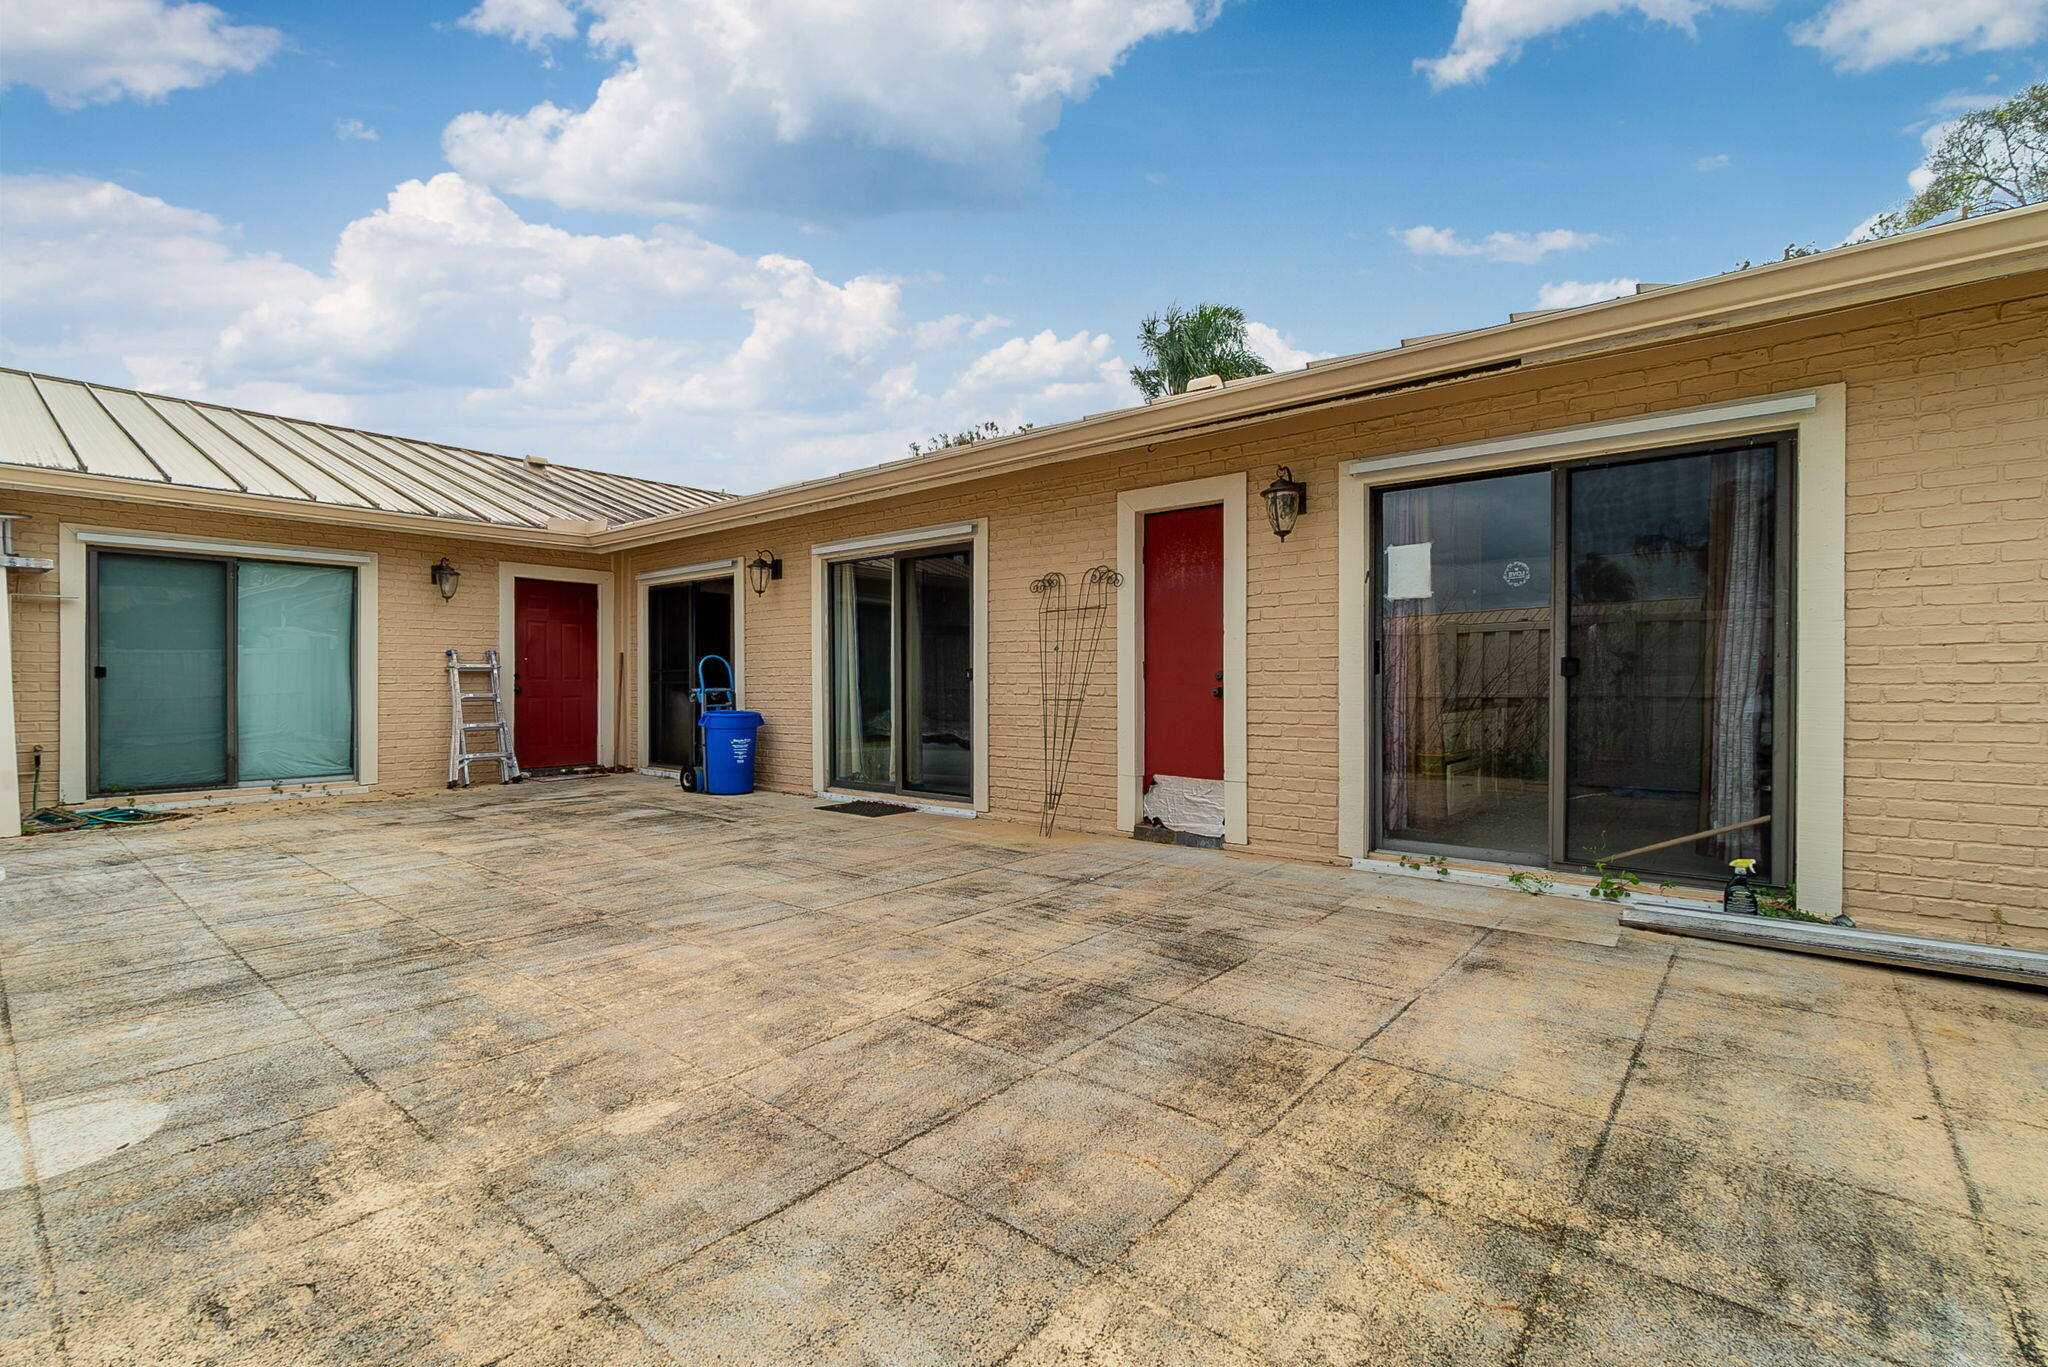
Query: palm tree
1206	340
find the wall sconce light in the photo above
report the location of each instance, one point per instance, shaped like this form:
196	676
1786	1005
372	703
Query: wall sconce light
763	567
1286	499
446	577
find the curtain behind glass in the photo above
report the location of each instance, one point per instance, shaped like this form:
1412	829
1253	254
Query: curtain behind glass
162	715
295	694
1742	675
938	603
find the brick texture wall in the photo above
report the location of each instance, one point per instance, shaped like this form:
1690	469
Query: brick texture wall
1946	801
415	625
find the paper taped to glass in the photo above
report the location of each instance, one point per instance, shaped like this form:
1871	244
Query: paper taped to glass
1408	570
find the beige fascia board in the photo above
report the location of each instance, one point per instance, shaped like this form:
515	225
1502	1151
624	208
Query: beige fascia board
2008	243
114	488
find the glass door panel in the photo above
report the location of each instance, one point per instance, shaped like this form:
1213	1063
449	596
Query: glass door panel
161	668
864	672
1670	664
685	622
294	671
671	716
938	639
1464	675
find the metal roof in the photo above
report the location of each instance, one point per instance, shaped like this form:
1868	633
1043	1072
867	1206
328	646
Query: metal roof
94	429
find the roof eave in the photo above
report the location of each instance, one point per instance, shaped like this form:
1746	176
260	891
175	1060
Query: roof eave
2007	243
115	488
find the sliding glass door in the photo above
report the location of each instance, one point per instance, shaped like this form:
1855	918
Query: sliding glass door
210	672
161	672
1670	670
685	623
1584	663
901	677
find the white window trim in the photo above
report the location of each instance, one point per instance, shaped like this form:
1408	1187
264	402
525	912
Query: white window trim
1819	538
608	666
823	556
1131	507
72	542
897	541
685	574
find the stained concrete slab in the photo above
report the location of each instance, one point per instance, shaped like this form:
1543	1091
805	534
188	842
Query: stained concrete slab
1081	1167
600	1072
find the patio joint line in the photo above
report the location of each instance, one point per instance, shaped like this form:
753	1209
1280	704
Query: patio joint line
2019	1322
1559	1240
32	1186
412	1122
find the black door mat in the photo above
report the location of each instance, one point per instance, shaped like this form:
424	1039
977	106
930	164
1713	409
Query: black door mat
867	808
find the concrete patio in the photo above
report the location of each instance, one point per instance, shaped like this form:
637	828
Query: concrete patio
601	1073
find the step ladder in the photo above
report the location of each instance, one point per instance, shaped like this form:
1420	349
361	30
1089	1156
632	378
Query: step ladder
462	697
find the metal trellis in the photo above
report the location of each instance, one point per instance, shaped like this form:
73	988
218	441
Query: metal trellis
1069	641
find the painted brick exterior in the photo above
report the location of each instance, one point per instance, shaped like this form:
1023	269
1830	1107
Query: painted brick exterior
1946	800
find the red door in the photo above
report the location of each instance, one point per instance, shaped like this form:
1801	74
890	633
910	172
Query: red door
1184	643
554	677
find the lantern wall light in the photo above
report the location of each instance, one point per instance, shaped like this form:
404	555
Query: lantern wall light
446	578
762	568
1286	499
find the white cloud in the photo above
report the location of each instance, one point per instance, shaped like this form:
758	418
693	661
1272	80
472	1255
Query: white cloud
531	22
354	130
955	326
829	107
1278	350
1569	294
1714	162
1860	35
80	52
1494	31
1516	247
100	270
1045	366
447	314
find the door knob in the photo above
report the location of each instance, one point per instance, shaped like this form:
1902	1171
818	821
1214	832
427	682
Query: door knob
1216	692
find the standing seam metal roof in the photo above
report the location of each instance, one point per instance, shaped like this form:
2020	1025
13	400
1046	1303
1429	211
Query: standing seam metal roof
96	429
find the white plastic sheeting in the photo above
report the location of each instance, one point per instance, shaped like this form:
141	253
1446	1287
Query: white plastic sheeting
1194	805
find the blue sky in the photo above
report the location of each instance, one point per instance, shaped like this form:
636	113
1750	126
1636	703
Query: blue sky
735	242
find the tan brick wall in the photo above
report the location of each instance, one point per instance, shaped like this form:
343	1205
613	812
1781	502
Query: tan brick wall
415	625
1947	427
1947	793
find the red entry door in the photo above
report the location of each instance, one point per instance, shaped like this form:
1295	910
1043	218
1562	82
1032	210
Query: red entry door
1184	643
554	715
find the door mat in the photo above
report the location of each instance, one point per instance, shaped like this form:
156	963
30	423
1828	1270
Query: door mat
867	808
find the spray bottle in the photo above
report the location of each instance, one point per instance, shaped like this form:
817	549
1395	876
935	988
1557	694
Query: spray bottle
1739	898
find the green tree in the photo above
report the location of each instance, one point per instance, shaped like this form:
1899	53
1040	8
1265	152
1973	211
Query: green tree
1182	346
1989	159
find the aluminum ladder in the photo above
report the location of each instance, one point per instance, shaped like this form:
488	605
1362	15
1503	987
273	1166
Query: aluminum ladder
461	727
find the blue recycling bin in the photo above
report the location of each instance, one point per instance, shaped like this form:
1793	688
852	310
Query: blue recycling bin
729	751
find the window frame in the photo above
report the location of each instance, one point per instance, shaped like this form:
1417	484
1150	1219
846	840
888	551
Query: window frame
899	612
231	655
1784	692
